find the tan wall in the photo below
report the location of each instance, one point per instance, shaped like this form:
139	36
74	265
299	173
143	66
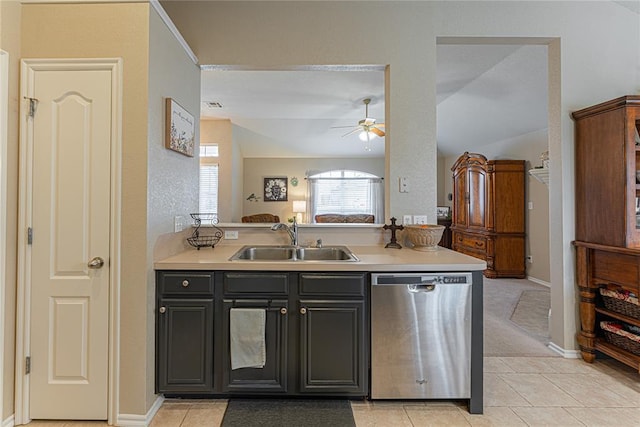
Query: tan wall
10	18
220	132
172	177
108	31
256	169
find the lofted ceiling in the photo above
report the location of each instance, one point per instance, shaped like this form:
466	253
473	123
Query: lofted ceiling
485	94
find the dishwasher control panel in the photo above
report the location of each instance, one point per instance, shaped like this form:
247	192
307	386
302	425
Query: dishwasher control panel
418	278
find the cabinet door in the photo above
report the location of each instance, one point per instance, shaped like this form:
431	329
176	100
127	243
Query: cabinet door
184	346
477	199
332	347
460	206
273	376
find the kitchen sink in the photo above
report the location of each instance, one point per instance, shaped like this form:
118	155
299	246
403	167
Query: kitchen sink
294	253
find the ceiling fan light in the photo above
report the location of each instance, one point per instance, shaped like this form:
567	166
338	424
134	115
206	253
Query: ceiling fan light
366	136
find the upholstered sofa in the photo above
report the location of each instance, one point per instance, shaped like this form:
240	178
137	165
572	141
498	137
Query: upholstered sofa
339	218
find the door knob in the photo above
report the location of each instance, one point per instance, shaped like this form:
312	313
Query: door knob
303	310
96	263
162	310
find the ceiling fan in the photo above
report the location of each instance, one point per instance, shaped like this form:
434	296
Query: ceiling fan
367	127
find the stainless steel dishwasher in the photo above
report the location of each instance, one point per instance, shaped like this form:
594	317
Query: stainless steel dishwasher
421	336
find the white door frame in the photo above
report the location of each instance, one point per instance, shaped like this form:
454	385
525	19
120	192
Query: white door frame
4	111
23	298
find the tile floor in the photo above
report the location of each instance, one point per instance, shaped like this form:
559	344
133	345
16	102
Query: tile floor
518	391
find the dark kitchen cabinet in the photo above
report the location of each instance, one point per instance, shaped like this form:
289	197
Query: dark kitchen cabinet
332	347
319	346
184	332
273	377
316	333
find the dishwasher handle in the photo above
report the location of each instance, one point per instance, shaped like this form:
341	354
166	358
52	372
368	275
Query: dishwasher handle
424	287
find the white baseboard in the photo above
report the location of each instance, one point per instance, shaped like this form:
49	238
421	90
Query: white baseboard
539	282
567	354
141	420
9	422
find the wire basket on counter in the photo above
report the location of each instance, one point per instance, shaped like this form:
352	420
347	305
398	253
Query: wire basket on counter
209	236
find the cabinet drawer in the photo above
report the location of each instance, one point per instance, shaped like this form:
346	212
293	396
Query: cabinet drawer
617	268
185	283
256	283
332	284
471	242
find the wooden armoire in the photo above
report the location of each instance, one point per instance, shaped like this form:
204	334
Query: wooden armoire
489	213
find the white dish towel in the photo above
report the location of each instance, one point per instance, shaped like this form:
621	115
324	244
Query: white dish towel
247	341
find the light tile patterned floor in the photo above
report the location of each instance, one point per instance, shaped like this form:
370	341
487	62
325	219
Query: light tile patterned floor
518	391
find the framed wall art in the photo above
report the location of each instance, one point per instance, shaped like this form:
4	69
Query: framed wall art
443	212
180	128
275	189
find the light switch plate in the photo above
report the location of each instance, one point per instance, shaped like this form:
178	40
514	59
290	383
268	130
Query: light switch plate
406	219
403	183
419	219
178	223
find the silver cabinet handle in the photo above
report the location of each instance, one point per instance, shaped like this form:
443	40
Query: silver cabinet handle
283	310
162	309
303	310
96	263
185	283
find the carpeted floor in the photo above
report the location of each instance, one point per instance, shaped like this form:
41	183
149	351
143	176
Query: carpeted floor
288	413
516	319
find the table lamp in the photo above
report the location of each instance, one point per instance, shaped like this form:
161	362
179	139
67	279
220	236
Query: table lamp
299	207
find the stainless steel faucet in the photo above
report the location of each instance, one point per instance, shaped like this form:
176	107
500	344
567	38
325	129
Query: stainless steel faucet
292	230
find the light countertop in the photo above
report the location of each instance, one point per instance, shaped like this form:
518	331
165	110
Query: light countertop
372	258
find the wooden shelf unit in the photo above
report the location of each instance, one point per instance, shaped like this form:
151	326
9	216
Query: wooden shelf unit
599	265
607	217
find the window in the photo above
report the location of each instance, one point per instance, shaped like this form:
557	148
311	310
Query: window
346	192
209	178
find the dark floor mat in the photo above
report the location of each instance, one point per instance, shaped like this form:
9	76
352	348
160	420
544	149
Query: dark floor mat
288	412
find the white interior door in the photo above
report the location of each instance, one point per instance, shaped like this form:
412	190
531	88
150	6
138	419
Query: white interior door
69	272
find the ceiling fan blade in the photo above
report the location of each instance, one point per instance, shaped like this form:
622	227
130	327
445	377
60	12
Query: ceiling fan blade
379	125
377	131
357	129
341	127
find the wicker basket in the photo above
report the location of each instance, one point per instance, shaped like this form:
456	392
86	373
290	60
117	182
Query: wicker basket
618	338
615	303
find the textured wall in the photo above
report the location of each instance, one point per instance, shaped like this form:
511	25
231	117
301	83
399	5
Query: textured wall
172	178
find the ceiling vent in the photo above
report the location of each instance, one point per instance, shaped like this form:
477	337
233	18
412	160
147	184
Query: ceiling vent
213	104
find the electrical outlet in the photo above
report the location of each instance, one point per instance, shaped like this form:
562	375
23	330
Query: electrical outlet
529	259
406	219
178	223
419	219
231	235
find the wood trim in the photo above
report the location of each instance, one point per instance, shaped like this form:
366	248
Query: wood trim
623	101
4	111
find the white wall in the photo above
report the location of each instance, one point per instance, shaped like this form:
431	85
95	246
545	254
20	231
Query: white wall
172	178
593	57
